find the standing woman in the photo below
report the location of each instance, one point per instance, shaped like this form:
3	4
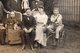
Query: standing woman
41	20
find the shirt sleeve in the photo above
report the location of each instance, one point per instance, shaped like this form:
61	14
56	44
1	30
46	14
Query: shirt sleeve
3	7
46	19
35	16
34	21
9	5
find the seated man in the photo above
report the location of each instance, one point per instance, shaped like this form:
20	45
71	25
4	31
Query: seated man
28	27
56	21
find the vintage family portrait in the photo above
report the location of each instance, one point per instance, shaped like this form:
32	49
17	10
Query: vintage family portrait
39	26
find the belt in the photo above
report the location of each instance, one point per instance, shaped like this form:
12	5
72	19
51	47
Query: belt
40	23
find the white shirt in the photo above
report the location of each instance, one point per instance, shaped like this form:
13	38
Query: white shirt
25	4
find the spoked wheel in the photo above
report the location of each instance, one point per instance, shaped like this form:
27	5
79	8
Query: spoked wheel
61	40
51	39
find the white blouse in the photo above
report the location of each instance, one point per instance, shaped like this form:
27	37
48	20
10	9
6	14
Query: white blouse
41	18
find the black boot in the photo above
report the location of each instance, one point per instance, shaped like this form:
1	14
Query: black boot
55	42
35	45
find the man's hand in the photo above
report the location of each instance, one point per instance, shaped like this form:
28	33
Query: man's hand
8	12
16	27
30	29
27	31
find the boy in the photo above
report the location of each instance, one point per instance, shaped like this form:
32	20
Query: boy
56	20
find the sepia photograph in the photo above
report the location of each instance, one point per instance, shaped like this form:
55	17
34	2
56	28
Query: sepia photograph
39	26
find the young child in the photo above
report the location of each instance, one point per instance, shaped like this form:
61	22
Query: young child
56	20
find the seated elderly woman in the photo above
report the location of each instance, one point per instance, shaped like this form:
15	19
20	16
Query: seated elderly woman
13	28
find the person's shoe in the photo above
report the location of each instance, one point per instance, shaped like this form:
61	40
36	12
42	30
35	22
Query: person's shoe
36	45
32	47
23	47
55	43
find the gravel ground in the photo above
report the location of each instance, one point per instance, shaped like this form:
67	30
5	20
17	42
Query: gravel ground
72	45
